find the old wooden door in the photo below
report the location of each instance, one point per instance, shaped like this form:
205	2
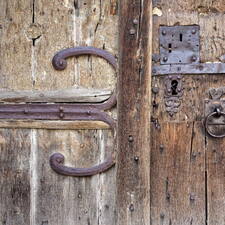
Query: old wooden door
187	165
31	32
177	180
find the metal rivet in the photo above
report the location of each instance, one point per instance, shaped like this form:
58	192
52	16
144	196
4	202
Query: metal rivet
193	31
61	109
135	21
161	148
132	31
165	59
131	207
130	138
61	63
136	158
155	90
61	115
79	196
193	58
163	32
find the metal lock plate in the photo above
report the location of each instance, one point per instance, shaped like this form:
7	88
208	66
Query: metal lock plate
179	44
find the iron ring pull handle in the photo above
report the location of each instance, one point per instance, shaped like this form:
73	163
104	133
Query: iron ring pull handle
217	113
57	159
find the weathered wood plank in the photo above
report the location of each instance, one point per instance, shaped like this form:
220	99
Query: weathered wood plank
15	73
67	200
53	125
73	94
15	63
133	160
215	176
178	174
14	177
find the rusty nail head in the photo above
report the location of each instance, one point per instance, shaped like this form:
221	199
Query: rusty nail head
61	109
131	208
61	63
132	31
136	158
165	59
130	138
193	58
135	21
61	115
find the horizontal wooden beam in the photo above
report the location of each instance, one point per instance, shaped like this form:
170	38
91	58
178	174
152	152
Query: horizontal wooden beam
73	94
53	125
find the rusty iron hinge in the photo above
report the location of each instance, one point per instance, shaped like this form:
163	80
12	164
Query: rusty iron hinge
68	111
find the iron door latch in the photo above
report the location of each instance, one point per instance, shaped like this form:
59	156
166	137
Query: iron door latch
180	53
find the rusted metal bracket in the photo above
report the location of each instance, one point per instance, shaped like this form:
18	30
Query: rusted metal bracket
180	53
66	111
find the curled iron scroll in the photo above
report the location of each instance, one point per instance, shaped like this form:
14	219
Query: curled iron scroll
57	159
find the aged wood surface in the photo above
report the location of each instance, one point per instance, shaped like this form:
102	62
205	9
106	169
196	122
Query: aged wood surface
215	178
15	70
178	174
73	94
31	32
133	160
53	125
209	203
64	200
15	171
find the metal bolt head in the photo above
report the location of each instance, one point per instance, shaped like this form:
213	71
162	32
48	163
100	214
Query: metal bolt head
165	59
163	32
132	31
130	138
135	21
61	63
155	90
194	58
136	158
25	111
131	207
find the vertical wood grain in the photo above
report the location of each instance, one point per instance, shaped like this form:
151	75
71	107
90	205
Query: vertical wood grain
15	73
178	174
15	177
133	160
215	178
69	200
